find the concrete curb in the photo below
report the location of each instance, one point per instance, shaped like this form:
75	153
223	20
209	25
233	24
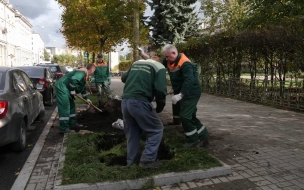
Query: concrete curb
157	180
26	171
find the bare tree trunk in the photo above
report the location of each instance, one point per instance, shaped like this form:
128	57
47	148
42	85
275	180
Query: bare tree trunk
136	31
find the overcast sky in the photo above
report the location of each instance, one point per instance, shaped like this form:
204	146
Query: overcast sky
45	16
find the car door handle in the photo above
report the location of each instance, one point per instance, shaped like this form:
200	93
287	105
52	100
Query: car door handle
25	99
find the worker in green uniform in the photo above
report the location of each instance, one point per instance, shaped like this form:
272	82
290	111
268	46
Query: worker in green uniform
175	107
145	80
187	90
66	87
102	78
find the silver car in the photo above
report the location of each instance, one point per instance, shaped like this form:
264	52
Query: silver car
20	105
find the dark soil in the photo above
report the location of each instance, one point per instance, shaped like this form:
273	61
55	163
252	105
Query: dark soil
101	122
98	122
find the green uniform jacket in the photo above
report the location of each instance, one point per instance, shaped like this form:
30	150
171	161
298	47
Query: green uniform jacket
102	73
145	80
74	81
184	78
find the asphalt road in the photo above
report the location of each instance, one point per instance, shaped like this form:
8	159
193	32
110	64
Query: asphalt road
12	162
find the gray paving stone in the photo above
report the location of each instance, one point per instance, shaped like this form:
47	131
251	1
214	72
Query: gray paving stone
223	179
183	186
274	187
251	173
191	184
256	179
284	184
297	183
292	188
265	188
216	180
290	177
41	186
271	179
166	187
262	183
204	182
31	186
244	174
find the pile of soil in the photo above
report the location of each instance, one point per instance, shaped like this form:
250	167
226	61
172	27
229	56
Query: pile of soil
96	121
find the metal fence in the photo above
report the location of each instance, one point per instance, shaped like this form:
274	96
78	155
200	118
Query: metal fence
287	94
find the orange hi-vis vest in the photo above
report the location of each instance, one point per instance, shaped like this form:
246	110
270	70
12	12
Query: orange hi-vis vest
175	67
86	72
101	64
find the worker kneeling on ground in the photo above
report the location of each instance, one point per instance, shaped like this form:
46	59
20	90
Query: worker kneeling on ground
145	80
66	87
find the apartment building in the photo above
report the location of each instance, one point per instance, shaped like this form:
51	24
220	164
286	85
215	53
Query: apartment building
18	45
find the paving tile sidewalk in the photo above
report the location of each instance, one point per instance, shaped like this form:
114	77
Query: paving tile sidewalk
264	146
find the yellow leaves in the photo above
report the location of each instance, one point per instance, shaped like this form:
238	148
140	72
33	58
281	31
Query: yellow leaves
86	22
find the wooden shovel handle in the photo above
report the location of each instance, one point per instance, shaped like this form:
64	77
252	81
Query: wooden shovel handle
88	102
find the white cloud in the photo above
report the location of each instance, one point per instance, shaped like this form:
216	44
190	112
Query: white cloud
45	16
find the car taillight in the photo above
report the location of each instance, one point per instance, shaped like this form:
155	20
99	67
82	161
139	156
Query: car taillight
43	82
58	75
3	108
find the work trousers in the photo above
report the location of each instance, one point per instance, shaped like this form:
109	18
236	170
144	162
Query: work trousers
193	128
140	116
66	107
103	89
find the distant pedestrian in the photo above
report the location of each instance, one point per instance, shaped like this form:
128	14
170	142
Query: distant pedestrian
145	80
66	87
102	78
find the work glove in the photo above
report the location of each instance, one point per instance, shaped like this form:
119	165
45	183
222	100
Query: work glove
160	104
73	97
89	101
141	51
176	98
73	92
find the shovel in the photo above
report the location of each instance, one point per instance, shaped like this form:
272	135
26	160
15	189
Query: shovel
88	103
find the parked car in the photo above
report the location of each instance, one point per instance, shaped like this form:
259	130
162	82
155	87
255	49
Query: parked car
54	68
42	78
20	105
68	68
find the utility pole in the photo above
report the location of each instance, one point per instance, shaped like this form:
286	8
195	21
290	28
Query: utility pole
136	30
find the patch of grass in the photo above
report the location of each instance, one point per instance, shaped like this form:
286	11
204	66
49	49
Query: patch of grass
248	74
93	98
87	162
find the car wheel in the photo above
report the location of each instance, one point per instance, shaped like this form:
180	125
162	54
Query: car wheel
20	144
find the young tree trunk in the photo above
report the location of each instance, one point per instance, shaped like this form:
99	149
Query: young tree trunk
136	31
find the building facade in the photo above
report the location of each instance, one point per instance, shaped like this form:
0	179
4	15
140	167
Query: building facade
18	45
37	49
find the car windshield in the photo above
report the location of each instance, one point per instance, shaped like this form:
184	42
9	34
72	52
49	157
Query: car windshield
34	72
2	80
53	68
